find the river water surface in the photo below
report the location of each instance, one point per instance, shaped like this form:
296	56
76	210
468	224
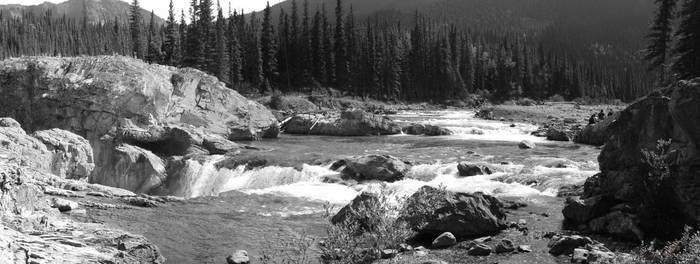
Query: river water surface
232	209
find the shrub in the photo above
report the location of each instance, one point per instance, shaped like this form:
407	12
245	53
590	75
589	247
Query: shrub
526	102
685	250
556	98
350	243
295	250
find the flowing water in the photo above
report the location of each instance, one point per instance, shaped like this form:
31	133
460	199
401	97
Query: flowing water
241	209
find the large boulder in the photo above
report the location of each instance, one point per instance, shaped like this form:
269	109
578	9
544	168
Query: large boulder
348	123
432	211
22	149
358	211
672	114
373	167
88	95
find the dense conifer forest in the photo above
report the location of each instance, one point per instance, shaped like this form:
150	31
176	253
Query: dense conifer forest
305	47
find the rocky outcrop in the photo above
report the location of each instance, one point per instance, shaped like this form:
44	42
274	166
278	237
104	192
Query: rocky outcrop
89	95
32	232
622	190
348	123
372	167
426	130
432	211
133	114
356	212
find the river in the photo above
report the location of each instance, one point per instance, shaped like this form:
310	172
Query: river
230	209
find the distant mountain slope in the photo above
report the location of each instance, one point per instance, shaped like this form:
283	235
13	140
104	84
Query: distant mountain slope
618	24
97	11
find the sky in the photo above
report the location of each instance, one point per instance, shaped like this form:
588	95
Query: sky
160	7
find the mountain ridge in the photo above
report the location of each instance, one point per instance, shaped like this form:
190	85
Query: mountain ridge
96	11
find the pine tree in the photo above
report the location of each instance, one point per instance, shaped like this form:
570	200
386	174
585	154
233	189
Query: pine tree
235	57
153	54
208	52
267	45
193	44
135	28
171	45
340	45
687	65
221	61
657	53
328	49
182	38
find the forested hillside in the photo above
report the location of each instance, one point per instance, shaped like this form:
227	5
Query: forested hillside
417	50
93	11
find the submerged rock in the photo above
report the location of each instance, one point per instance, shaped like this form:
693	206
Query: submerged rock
427	130
556	134
373	167
348	123
526	144
432	211
466	170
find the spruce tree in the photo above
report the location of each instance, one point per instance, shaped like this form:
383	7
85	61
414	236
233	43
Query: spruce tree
171	45
153	52
235	57
221	61
340	45
135	28
207	53
660	38
193	44
267	46
687	65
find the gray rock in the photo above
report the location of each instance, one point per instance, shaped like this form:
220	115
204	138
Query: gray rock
63	205
373	167
238	257
389	253
466	170
479	250
504	246
526	144
618	224
448	211
524	248
348	123
580	255
559	245
446	239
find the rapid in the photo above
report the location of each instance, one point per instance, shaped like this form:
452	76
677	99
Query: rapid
241	207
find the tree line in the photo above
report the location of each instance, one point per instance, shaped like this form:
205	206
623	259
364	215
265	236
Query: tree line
306	48
674	41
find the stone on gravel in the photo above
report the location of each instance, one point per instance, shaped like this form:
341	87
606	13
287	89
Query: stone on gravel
446	239
238	257
63	205
479	250
504	246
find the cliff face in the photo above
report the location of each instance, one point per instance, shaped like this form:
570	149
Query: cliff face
623	185
88	95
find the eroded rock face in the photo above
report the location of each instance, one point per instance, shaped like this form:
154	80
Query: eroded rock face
71	154
53	151
130	167
431	211
88	95
349	123
672	113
